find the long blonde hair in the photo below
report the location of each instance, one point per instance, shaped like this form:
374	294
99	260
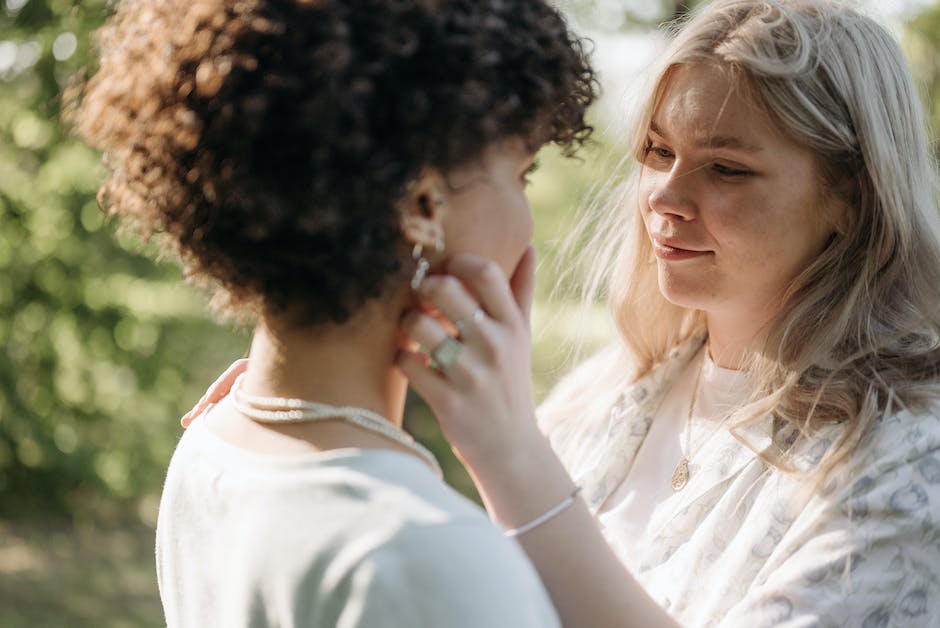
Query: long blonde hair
859	334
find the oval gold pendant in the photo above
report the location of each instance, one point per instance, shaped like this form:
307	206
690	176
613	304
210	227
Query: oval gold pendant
680	477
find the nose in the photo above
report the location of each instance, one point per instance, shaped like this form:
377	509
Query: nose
670	195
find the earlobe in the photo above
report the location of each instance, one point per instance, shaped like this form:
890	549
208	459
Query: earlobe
426	232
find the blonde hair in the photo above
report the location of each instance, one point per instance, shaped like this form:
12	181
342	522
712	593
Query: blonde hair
859	333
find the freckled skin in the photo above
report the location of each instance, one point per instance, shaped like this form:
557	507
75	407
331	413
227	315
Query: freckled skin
718	178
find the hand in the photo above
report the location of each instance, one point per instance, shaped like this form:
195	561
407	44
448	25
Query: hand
483	397
217	391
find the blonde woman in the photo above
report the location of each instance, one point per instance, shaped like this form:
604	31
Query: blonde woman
761	446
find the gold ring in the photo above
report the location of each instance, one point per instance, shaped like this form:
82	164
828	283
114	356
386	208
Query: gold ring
446	352
467	322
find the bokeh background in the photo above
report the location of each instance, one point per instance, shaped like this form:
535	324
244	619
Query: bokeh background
102	347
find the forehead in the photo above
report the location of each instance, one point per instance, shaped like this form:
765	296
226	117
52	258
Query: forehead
703	105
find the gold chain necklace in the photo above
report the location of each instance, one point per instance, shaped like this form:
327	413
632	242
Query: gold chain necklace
681	475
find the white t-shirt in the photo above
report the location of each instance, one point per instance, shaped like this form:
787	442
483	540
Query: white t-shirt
351	537
641	503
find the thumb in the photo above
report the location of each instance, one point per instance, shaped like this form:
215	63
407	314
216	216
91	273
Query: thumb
217	391
522	284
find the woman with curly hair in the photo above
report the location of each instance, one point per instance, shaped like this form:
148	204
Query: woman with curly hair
311	161
761	445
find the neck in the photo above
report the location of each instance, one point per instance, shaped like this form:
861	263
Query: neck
352	364
732	338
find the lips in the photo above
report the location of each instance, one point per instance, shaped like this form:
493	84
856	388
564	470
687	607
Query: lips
673	250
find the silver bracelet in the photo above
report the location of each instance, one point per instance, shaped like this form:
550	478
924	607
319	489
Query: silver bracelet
548	514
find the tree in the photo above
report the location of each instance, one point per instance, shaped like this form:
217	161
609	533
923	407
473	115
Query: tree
622	15
98	346
922	45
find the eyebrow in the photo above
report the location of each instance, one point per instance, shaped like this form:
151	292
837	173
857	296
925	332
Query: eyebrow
717	141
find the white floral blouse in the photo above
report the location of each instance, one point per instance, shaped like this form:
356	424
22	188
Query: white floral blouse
748	546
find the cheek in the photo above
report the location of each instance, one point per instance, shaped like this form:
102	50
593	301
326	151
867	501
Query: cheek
641	205
510	218
511	230
646	215
643	190
526	223
771	250
748	228
745	237
497	226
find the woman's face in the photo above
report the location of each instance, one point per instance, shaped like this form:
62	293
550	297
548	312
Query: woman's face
732	207
486	209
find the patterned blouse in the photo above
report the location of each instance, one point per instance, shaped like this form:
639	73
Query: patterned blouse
750	546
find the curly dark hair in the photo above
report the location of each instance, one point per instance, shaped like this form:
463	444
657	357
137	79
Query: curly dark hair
268	141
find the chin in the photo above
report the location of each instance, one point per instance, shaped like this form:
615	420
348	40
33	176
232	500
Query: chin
683	301
687	294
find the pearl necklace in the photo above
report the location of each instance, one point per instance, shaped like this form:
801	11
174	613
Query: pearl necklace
290	410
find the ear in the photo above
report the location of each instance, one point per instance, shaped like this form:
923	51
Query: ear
840	219
422	210
844	198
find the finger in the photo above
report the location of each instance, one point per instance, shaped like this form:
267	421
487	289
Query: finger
194	414
426	307
216	391
425	381
448	295
445	355
423	329
485	279
223	385
522	284
198	409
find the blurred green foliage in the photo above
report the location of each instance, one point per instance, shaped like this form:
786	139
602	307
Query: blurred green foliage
922	46
100	348
625	15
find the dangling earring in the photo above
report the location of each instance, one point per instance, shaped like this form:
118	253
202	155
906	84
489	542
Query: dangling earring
421	270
